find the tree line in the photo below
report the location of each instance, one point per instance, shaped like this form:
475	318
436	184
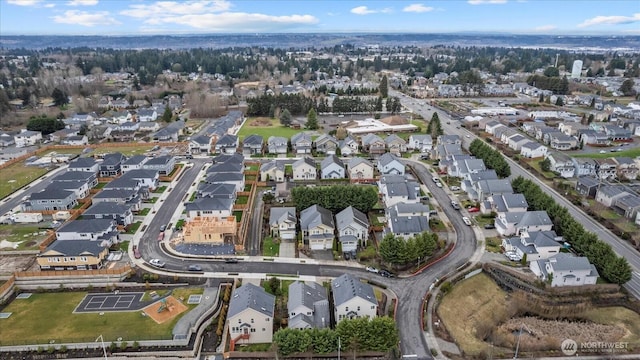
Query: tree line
360	334
397	251
611	267
335	198
493	159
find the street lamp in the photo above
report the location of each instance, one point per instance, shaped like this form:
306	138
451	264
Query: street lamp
104	350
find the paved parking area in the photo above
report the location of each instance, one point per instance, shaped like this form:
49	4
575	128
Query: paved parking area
111	302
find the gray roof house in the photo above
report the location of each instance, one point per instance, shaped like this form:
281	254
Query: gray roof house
389	164
163	164
317	227
352	298
170	133
252	145
534	245
102	230
110	210
422	143
398	189
373	144
73	255
502	203
111	165
308	306
332	167
395	144
236	179
227	191
304	169
608	194
277	145
485	188
301	143
209	207
87	164
349	146
130	197
227	144
629	205
51	198
407	220
282	221
272	171
135	162
200	144
449	139
567	270
353	229
326	144
360	170
250	316
587	186
511	223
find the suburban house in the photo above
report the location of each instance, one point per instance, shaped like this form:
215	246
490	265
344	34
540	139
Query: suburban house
250	315
626	168
449	139
395	144
407	220
131	197
282	221
317	227
79	182
533	245
398	189
349	146
360	170
50	199
516	142
104	231
277	145
145	115
6	139
27	138
628	205
169	133
227	144
503	203
373	144
148	127
234	178
353	229
252	145
560	141
227	191
587	186
200	144
352	298
422	143
389	164
110	210
482	189
606	168
308	306
490	127
584	167
147	178
86	164
326	144
301	143
209	207
561	164
514	223
608	194
135	162
164	164
111	165
73	255
332	167
77	140
565	270
304	169
447	150
272	171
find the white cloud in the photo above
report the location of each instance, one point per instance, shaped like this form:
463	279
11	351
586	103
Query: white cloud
170	8
363	10
481	2
543	28
417	8
24	2
82	2
610	20
234	21
84	18
49	5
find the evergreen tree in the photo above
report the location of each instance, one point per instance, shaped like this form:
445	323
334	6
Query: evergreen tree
167	115
559	101
312	119
285	117
384	87
59	97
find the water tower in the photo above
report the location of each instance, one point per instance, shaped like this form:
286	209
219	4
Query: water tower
576	70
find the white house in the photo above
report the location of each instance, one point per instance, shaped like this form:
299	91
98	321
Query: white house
317	227
352	298
308	306
27	138
535	245
304	169
353	229
422	143
533	150
272	171
331	167
389	164
250	315
360	169
282	221
565	270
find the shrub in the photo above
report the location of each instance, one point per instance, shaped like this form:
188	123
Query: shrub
51	349
124	345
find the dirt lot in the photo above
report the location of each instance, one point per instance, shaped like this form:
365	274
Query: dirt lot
11	263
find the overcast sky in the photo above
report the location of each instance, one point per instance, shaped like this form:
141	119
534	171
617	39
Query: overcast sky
138	17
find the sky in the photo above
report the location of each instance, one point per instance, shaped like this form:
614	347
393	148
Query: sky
140	17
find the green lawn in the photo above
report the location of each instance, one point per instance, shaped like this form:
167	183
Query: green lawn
270	247
631	152
133	227
180	224
18	175
144	212
125	150
21	234
536	165
493	245
242	200
160	189
100	185
238	215
265	131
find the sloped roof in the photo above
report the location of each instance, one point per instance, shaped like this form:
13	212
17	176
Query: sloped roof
280	214
347	287
250	296
74	248
106	207
349	215
86	226
210	204
314	216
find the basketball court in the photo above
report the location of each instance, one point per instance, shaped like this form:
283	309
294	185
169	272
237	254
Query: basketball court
111	302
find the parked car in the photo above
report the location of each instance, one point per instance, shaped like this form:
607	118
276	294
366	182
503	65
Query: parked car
439	184
455	188
231	261
194	267
489	226
466	220
371	269
163	228
473	209
136	252
385	273
157	262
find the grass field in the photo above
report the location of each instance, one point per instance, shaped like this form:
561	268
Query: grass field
18	175
471	302
23	234
270	247
275	129
26	325
125	150
631	152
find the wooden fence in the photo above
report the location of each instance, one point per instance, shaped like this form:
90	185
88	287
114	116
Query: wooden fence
74	273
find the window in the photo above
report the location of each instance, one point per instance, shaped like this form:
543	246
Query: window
346	308
262	329
358	308
239	321
372	307
254	330
83	258
252	321
267	320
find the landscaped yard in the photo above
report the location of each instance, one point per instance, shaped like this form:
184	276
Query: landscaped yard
270	247
160	189
265	127
536	165
493	244
242	200
144	212
27	237
18	175
238	215
133	228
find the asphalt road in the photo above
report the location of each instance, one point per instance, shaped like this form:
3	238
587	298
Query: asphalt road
622	248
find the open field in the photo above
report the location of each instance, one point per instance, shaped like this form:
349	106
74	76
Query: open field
621	317
125	150
18	175
469	304
265	127
25	325
631	152
22	235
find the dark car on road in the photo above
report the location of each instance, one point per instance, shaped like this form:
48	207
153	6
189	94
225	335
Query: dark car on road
489	226
194	267
231	261
385	273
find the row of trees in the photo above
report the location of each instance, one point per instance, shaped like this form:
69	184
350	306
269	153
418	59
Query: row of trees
45	125
265	105
559	85
335	197
493	159
360	334
434	128
397	251
611	267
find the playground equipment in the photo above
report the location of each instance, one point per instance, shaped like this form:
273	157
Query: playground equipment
164	305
